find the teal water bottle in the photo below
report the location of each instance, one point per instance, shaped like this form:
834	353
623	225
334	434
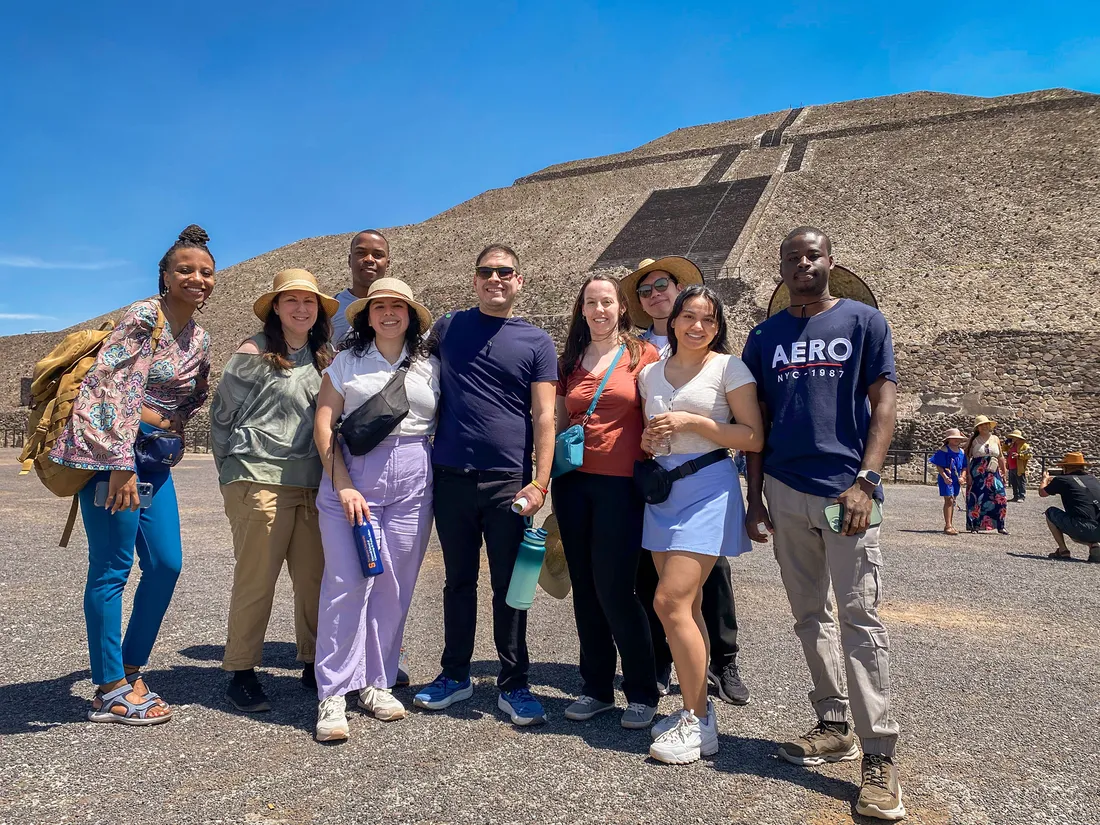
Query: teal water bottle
525	575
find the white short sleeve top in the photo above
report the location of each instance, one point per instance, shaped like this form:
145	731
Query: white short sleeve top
358	377
705	395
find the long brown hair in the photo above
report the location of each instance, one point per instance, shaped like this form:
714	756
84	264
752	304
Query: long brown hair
277	353
580	336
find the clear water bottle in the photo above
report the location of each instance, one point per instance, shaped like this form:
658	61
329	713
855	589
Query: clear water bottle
525	574
366	546
653	407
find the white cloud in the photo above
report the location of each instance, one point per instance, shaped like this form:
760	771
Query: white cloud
24	316
31	262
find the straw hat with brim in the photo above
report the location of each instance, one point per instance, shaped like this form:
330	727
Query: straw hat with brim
954	434
684	271
1073	460
1015	434
983	419
554	576
843	283
291	279
390	288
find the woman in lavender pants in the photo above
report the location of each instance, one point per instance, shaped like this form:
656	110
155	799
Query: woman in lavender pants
361	620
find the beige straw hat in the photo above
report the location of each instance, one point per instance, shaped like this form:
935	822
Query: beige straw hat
1015	434
684	271
955	434
843	283
554	576
390	288
983	419
290	279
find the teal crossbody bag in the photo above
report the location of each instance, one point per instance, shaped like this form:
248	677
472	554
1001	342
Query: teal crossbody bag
569	445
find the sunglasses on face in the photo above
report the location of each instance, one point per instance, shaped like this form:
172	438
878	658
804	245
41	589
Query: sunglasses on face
661	284
505	273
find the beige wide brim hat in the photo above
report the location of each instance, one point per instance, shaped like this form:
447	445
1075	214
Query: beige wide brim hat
983	419
684	271
1073	460
554	576
390	288
955	434
291	279
1015	434
843	283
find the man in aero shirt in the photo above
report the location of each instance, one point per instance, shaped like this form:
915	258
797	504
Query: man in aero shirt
650	292
368	260
498	380
825	375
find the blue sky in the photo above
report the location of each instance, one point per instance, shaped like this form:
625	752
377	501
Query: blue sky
122	122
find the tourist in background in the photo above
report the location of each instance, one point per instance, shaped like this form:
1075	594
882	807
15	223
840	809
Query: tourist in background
261	432
986	504
690	400
1080	520
149	378
1017	456
950	460
599	509
368	260
362	620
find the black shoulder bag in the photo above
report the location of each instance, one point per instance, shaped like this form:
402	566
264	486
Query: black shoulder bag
654	482
365	427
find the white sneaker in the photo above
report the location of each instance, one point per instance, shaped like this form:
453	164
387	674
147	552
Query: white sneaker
381	704
332	719
688	739
666	724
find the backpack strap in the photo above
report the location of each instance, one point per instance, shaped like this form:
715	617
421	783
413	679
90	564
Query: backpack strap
158	329
69	522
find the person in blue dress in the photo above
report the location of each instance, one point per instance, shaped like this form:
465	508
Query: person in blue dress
951	461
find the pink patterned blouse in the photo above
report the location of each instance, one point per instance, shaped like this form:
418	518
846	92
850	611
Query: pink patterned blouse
126	376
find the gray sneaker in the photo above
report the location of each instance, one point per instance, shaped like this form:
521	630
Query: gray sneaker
824	742
880	790
638	716
586	707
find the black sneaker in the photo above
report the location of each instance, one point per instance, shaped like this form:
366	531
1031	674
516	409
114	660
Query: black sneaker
728	681
664	680
246	693
309	677
402	670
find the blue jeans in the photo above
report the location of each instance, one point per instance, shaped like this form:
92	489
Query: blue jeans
155	533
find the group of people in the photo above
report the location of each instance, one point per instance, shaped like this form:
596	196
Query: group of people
481	395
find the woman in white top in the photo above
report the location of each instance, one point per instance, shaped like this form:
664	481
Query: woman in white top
986	502
361	620
690	401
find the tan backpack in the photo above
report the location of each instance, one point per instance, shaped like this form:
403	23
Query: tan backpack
55	385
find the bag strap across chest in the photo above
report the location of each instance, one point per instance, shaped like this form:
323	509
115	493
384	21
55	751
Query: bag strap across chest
603	383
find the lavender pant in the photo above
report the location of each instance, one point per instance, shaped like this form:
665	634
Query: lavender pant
361	620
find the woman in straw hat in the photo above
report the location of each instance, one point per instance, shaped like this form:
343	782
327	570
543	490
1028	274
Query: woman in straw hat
951	463
986	504
261	427
362	619
1017	456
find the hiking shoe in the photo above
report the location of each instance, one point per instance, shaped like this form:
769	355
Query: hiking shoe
332	719
381	704
246	693
664	680
668	722
402	670
309	677
586	707
637	716
728	682
824	742
522	708
1094	553
880	789
687	740
442	693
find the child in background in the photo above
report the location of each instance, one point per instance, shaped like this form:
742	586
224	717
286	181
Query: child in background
951	461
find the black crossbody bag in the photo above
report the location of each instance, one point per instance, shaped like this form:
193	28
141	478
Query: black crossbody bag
366	426
654	482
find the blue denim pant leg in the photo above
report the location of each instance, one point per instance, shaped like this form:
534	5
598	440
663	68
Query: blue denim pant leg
112	540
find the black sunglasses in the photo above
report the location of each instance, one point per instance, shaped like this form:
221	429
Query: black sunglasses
661	284
505	273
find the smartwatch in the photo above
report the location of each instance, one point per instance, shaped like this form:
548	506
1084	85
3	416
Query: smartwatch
873	478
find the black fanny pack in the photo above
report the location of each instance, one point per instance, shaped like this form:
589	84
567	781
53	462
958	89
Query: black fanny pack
366	426
157	451
654	482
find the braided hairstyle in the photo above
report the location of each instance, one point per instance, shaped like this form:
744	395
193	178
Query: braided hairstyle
193	237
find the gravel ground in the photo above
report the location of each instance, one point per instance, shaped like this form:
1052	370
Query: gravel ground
995	666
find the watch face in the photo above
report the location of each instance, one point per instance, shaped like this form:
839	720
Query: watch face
872	477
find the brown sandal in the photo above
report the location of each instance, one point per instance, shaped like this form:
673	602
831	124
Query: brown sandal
950	531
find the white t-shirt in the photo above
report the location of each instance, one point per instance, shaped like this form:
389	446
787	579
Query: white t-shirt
705	395
357	378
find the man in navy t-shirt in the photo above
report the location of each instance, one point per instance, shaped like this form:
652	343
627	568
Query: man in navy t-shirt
824	370
497	392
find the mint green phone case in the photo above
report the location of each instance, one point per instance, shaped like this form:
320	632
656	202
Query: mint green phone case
834	514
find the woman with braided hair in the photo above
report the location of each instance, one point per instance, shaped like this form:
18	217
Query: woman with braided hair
149	378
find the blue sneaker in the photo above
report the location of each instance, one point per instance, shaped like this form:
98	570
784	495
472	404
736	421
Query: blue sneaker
521	706
442	693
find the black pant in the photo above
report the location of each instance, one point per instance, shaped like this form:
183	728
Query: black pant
1018	483
719	613
470	504
600	518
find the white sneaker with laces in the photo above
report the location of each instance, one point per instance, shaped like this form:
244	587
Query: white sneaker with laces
668	722
381	704
332	719
687	740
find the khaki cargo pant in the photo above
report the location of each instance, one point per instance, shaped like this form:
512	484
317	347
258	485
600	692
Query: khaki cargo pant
271	524
810	556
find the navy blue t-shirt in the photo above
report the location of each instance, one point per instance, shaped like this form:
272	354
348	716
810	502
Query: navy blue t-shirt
488	367
813	374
